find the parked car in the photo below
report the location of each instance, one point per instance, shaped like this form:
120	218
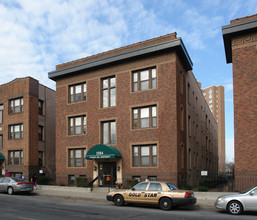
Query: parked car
237	203
163	194
12	185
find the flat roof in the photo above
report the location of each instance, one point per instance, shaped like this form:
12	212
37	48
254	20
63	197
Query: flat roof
234	30
174	44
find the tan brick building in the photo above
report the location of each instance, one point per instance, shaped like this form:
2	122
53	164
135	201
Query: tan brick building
27	128
214	96
133	112
240	40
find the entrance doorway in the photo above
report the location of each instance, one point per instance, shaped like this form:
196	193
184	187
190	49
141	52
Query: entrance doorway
107	173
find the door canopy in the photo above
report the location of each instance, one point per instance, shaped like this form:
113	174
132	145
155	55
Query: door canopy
1	157
100	151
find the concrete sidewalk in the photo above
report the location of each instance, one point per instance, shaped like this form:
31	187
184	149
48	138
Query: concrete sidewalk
205	200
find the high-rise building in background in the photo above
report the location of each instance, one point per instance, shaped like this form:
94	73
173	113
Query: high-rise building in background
214	96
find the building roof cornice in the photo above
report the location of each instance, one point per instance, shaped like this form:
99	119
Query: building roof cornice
234	30
173	44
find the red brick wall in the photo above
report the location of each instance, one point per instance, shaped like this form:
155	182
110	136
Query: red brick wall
243	19
165	135
28	88
168	136
244	55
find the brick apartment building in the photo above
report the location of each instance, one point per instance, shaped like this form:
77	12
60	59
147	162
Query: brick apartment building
240	41
214	96
133	112
27	128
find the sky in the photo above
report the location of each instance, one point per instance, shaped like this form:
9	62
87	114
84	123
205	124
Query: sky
36	35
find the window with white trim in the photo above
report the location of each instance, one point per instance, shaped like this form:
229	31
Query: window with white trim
15	157
108	132
78	92
15	131
16	105
144	79
1	113
77	125
108	92
77	157
144	117
144	155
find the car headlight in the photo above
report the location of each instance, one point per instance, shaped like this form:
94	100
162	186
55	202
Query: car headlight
221	199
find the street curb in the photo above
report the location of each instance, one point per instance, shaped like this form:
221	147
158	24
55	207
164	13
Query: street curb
205	200
70	197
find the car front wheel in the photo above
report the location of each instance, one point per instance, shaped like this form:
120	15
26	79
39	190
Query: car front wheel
165	204
235	208
10	190
118	200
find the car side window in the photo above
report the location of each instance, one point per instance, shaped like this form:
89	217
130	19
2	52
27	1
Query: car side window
6	180
171	186
140	186
254	192
155	187
1	179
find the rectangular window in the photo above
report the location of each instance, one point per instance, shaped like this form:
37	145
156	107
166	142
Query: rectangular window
182	156
40	159
108	132
15	157
144	79
145	156
181	118
144	117
109	92
40	133
181	84
188	93
1	141
138	178
15	131
189	126
77	157
1	113
78	92
154	178
16	105
71	180
77	125
40	107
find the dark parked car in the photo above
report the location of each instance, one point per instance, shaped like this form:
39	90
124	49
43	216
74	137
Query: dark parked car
12	185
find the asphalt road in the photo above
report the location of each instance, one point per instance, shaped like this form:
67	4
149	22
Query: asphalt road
34	207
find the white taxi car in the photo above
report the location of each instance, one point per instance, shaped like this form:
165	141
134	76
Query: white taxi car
163	194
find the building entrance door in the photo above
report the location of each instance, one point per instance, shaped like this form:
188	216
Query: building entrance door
107	174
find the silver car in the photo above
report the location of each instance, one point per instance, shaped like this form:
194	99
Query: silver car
13	184
237	203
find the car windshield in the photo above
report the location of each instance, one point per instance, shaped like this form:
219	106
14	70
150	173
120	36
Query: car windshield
248	190
172	187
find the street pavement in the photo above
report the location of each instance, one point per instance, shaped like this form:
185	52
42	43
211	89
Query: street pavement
205	200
